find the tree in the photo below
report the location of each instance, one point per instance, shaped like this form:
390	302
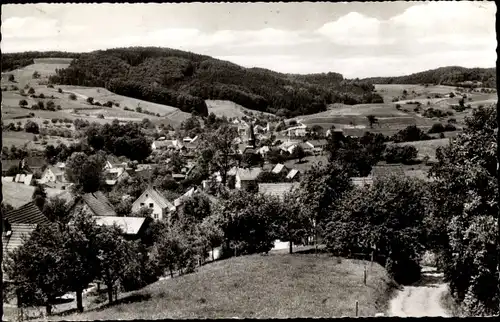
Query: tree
321	189
31	91
56	210
372	120
217	156
112	258
36	75
39	196
81	249
466	201
400	154
11	78
387	217
32	127
72	96
298	153
292	224
35	268
410	133
212	232
85	171
23	103
90	100
246	219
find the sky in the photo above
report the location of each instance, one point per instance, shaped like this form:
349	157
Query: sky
356	39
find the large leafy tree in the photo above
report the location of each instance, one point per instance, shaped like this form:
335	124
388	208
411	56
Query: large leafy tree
387	217
320	191
465	224
86	171
35	268
218	154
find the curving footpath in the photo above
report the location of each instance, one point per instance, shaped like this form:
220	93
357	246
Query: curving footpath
422	300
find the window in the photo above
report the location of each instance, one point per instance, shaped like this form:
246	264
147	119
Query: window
142	204
156	216
151	205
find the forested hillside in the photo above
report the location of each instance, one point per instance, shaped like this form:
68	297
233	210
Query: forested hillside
19	60
452	76
184	80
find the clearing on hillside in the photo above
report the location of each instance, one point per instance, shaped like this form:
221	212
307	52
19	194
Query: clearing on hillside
228	108
256	286
427	147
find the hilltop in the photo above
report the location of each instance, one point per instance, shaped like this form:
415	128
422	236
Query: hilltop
185	80
451	75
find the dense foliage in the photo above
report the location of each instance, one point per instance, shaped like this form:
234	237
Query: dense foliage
464	225
184	80
452	76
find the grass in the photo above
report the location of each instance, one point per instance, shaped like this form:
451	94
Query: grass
227	108
18	194
277	285
21	138
427	147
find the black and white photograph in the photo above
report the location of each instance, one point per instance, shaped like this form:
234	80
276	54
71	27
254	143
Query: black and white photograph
249	160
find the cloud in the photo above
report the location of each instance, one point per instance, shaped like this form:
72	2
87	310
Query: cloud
355	29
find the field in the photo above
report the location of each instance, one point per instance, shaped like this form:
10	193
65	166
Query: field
18	194
227	108
427	147
278	285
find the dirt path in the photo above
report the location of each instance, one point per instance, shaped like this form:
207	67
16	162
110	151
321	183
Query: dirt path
421	300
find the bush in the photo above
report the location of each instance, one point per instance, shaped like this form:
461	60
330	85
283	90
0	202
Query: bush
23	103
436	128
50	86
449	127
400	154
36	75
100	116
54	120
31	127
41	96
31	91
72	97
60	90
90	100
41	106
46	122
58	107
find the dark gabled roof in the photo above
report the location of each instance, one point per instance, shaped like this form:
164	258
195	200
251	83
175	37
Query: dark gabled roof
99	204
35	162
387	170
26	214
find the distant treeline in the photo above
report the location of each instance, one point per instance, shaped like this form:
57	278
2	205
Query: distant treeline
452	76
19	60
184	80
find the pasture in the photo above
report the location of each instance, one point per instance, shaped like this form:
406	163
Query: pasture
427	148
18	194
228	109
275	286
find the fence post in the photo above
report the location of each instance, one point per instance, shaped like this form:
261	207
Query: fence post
364	275
356	308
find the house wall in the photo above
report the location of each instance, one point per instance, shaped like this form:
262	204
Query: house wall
48	176
158	212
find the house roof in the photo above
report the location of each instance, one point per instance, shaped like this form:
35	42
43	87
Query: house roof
157	197
35	162
99	204
292	174
387	170
129	225
277	189
361	181
7	164
179	201
248	174
26	214
278	168
19	233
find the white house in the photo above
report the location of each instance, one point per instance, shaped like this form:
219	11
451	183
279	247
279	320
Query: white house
279	168
153	199
53	174
299	130
115	175
246	177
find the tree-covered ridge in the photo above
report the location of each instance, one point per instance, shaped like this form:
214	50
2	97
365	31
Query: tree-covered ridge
452	75
13	61
184	80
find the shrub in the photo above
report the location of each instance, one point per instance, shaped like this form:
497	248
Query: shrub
97	104
46	122
54	120
21	92
90	100
436	128
72	97
60	90
41	95
452	121
31	91
400	154
11	78
100	116
23	103
449	127
31	127
58	107
41	105
50	86
452	95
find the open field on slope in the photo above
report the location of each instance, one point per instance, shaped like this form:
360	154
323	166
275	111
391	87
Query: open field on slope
18	194
427	147
21	138
79	108
227	108
278	285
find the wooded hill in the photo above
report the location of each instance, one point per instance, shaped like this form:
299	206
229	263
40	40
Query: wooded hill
184	80
452	76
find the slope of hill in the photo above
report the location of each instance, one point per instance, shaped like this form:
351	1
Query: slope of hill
274	286
184	80
14	61
452	75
